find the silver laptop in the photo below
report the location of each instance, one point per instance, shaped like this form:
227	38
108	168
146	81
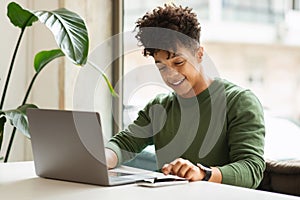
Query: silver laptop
69	145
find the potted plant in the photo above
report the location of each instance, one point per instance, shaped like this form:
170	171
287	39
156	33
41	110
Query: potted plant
71	36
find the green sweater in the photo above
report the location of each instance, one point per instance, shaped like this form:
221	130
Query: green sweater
223	126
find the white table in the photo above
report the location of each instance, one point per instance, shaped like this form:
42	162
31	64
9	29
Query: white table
18	181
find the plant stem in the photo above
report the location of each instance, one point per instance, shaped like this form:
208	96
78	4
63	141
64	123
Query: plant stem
10	68
29	88
6	87
12	136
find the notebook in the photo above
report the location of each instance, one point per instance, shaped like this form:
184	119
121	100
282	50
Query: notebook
69	145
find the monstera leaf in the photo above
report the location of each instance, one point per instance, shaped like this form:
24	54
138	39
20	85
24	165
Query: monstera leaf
17	118
68	28
19	16
42	58
69	31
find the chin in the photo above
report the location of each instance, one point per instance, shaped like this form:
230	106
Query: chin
181	93
185	93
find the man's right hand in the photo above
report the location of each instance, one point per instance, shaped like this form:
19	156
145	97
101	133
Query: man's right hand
111	158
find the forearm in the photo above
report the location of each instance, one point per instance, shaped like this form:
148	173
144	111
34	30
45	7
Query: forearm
216	175
244	173
126	145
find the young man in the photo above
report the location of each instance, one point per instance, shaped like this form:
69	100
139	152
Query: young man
205	122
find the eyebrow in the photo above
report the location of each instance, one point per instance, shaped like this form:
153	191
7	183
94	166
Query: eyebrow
174	55
177	54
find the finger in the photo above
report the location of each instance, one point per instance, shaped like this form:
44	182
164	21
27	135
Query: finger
166	169
177	164
193	174
183	170
176	161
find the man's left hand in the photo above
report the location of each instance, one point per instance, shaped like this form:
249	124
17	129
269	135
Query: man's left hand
183	168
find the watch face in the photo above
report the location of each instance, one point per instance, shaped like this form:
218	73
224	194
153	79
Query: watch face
203	167
208	169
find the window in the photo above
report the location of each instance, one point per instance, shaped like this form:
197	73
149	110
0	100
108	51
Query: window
259	11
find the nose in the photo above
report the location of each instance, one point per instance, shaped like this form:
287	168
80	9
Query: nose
172	73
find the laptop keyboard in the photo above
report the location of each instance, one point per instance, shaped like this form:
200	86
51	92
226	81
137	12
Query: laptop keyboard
117	174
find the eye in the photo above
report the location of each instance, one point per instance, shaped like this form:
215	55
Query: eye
178	63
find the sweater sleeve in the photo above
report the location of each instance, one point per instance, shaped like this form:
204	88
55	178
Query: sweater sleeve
246	133
127	143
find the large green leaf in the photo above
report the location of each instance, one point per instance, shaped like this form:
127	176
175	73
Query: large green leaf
42	58
2	123
70	33
19	16
18	118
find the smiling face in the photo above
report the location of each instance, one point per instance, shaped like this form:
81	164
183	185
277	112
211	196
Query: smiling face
182	71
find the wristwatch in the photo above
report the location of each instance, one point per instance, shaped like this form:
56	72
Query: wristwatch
207	171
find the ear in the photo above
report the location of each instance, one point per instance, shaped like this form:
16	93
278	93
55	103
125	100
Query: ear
199	54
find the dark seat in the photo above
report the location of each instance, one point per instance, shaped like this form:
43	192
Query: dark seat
282	177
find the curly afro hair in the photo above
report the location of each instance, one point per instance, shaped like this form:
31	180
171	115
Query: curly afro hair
166	27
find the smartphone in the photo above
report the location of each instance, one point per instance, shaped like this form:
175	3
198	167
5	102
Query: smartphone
162	181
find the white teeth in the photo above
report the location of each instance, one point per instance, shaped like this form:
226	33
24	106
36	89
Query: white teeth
178	82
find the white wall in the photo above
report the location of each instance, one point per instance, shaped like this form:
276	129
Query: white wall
54	86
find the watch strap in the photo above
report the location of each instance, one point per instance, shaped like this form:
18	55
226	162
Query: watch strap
207	171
